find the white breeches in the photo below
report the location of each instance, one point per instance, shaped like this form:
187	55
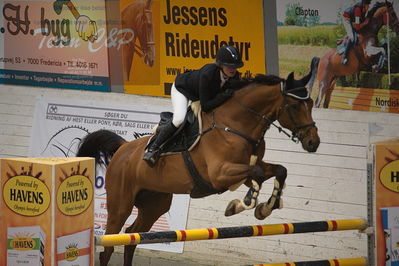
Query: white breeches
348	27
179	103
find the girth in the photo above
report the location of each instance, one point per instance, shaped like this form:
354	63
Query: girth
201	188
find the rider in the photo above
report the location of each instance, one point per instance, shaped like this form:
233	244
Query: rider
208	84
354	19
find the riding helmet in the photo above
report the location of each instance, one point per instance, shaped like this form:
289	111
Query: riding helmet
229	56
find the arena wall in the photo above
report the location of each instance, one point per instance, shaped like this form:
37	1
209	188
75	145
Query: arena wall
330	184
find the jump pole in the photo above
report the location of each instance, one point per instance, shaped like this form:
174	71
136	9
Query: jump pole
333	262
228	232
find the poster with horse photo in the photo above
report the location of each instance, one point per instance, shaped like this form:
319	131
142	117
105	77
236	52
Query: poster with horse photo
164	38
352	47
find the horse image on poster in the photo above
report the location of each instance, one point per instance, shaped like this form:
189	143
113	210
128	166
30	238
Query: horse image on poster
137	20
364	56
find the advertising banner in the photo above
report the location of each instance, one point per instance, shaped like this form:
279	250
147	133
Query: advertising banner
351	47
59	126
54	44
47	208
174	36
385	160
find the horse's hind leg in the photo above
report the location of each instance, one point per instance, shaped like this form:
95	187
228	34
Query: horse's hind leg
114	225
150	205
324	85
275	202
320	95
119	209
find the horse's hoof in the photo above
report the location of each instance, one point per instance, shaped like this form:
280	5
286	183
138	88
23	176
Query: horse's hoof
262	211
232	208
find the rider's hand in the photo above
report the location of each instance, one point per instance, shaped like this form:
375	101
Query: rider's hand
86	28
364	23
228	92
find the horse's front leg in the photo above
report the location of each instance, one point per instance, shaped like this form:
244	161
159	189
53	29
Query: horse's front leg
228	175
329	91
256	176
320	95
275	201
372	50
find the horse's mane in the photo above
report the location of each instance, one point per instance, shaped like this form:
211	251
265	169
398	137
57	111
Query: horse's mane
376	6
258	79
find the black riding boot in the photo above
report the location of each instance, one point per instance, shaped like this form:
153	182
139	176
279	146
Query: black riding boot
344	59
164	132
348	46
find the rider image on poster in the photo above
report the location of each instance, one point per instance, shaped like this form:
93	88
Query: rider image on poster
352	46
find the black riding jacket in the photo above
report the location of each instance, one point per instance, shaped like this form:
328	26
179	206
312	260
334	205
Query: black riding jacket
204	85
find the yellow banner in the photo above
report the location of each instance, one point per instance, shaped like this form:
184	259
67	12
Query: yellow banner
186	35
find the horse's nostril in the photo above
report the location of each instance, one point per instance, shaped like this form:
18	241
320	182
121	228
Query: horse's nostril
311	145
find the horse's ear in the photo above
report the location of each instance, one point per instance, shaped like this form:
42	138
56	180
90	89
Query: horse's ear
290	77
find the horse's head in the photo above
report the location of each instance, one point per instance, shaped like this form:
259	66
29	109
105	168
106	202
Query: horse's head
393	18
145	34
383	13
295	113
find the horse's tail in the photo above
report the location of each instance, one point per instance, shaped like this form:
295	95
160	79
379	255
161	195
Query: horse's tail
101	145
313	66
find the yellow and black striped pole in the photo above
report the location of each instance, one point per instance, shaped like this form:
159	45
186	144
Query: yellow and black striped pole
228	232
333	262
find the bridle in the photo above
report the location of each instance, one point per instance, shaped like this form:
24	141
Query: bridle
286	107
139	48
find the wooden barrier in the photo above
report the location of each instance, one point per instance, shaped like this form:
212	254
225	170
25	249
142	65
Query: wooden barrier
229	232
333	262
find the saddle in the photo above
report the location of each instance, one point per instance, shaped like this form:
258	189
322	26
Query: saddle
183	141
185	137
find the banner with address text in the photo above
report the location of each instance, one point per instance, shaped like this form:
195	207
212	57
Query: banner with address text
54	44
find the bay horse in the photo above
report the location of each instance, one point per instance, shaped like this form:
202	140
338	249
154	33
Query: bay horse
360	57
137	19
230	151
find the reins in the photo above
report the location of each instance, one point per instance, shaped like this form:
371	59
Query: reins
253	141
268	121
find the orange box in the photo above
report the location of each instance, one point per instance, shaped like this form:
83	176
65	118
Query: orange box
384	159
47	210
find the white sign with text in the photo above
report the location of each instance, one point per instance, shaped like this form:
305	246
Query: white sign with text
58	127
